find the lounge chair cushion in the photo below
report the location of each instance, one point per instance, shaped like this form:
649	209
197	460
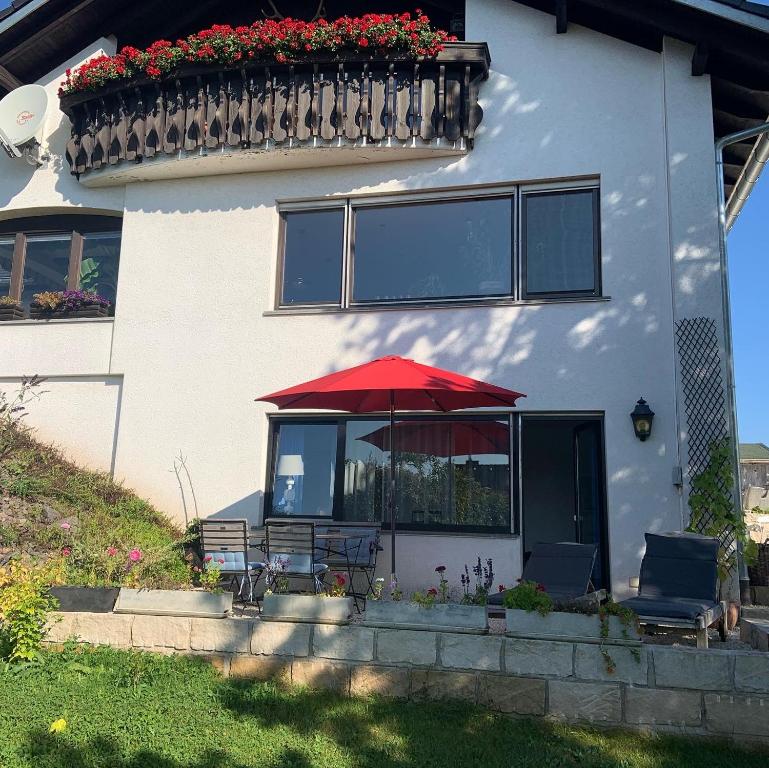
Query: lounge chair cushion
679	608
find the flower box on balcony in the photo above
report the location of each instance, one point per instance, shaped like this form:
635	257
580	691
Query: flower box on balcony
310	609
11	311
441	617
49	305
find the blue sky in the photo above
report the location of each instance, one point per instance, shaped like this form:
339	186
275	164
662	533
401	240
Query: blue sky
749	275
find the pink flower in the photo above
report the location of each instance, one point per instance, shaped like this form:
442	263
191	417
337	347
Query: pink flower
112	551
207	559
66	551
432	591
220	561
135	555
65	526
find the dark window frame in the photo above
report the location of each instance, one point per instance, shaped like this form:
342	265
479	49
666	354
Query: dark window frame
75	226
597	290
518	293
514	512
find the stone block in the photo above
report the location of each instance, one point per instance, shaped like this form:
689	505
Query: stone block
516	695
590	702
737	715
392	682
219	661
223	635
471	652
161	632
751	672
755	632
629	667
353	643
93	628
440	684
692	668
260	668
652	706
279	638
538	657
321	674
399	646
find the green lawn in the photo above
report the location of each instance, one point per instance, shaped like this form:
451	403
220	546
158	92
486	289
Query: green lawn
135	710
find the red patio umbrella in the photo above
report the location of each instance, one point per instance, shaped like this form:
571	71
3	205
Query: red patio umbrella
388	384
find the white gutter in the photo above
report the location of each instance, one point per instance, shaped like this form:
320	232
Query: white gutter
20	14
758	159
761	131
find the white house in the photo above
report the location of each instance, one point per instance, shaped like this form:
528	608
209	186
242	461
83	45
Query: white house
541	212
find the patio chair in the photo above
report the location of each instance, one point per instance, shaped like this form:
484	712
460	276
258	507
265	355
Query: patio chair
355	552
678	587
227	540
293	545
564	569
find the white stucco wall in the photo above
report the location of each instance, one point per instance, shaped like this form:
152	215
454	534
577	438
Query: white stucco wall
198	262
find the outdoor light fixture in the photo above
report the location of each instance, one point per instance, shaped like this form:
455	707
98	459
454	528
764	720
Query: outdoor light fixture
642	417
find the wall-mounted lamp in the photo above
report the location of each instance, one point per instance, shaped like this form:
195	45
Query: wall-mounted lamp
642	417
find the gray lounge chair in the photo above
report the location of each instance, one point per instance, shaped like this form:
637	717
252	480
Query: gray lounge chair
679	584
564	570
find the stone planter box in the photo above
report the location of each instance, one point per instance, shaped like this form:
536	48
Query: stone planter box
307	609
11	312
468	619
173	602
87	599
87	310
567	626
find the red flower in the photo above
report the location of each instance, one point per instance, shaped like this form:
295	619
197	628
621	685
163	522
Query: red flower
66	551
207	559
362	42
440	569
501	587
340	579
432	591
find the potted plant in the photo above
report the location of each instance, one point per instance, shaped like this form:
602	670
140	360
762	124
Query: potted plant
10	309
65	304
431	610
530	612
209	600
332	607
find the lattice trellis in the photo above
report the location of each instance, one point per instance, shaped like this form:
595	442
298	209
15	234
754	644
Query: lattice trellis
704	396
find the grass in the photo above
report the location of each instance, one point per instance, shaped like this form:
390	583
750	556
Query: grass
136	710
42	493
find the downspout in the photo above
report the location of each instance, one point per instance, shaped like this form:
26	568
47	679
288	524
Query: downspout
760	150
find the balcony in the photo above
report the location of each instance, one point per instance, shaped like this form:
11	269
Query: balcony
335	111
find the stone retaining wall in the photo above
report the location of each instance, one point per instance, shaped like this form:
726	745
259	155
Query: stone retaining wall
669	689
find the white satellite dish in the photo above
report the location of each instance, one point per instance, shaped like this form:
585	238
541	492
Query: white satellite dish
22	113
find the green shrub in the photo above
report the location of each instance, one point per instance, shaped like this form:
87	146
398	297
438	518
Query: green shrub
528	596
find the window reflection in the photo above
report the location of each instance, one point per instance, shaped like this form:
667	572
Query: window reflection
6	264
46	265
99	266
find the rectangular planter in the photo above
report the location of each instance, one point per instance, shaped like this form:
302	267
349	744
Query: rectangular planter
567	626
174	602
89	310
308	609
11	312
87	599
442	617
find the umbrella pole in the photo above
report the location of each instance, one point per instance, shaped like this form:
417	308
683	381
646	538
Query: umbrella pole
392	486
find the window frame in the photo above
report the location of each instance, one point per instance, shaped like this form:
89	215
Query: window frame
512	528
515	192
597	290
21	230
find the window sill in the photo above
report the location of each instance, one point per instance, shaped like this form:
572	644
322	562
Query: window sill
309	310
57	320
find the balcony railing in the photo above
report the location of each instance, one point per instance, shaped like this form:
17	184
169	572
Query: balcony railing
378	102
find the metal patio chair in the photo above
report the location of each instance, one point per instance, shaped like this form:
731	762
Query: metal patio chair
678	587
291	545
227	541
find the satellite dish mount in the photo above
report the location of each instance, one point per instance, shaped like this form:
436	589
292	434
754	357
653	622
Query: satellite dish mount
22	114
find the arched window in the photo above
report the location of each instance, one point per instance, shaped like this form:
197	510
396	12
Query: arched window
60	252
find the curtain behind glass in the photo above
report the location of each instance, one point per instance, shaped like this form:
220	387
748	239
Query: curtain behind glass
6	263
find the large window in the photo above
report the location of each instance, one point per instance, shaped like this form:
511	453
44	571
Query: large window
452	473
459	248
56	253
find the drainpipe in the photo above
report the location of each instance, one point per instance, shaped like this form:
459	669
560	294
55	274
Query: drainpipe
745	184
